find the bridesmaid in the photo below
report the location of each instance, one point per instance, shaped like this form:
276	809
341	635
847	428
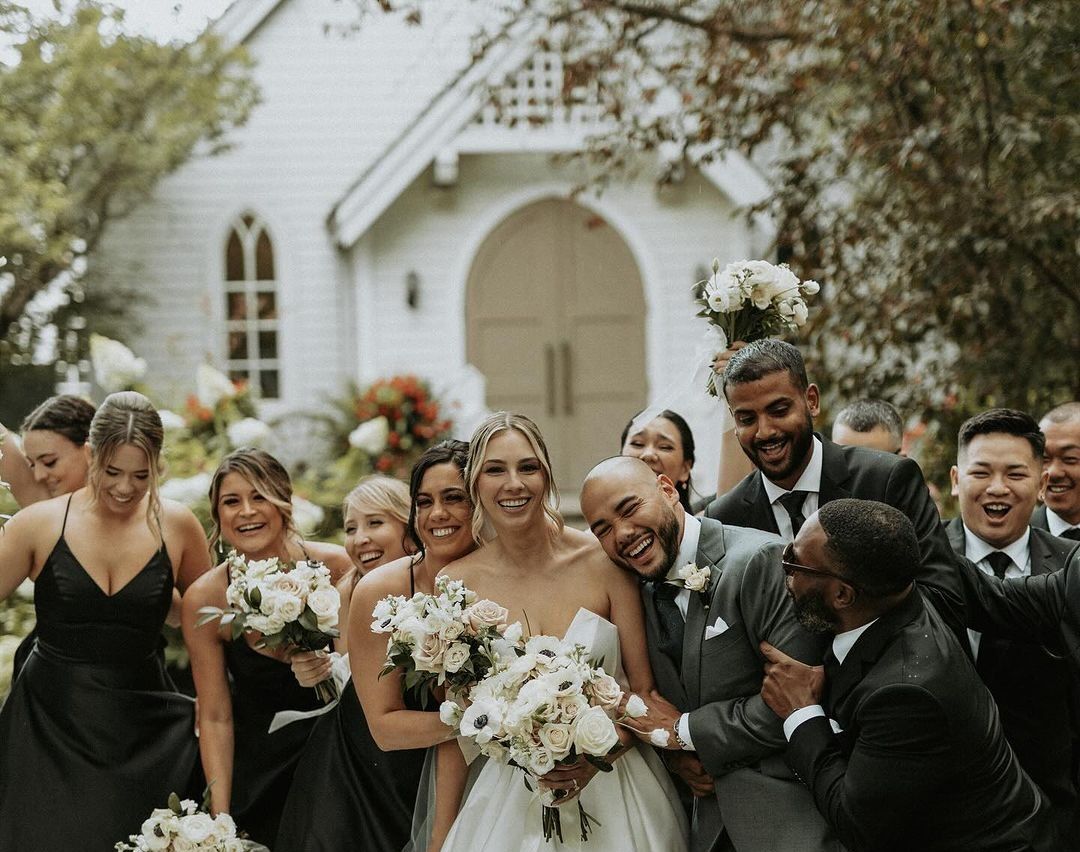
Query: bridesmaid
249	769
357	788
666	445
91	713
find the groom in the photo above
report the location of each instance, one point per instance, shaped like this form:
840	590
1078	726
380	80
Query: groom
703	633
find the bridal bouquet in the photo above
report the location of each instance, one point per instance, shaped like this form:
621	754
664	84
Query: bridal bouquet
752	299
547	706
450	638
288	604
183	826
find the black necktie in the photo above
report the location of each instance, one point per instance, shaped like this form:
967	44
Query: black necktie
1072	535
1000	563
671	621
793	504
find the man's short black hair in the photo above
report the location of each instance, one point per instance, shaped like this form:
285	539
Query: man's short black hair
763	357
1003	421
865	415
874	544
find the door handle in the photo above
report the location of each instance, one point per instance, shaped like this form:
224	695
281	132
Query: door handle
549	377
567	377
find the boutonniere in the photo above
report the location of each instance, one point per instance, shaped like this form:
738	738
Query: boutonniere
692	578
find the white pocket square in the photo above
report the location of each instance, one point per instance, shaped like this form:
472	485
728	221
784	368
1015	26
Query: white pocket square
718	628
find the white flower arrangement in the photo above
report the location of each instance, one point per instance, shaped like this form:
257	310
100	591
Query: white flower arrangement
183	827
212	386
288	604
451	638
548	704
371	436
752	299
189	490
692	578
249	432
115	366
306	515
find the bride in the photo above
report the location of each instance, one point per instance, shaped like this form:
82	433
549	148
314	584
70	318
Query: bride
555	581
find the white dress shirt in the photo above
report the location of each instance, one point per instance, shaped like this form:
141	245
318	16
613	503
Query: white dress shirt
977	550
842	644
810	482
1057	524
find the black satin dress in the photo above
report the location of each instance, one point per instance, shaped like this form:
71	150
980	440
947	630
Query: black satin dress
92	738
347	794
264	763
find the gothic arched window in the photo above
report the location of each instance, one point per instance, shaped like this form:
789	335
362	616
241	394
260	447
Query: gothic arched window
251	308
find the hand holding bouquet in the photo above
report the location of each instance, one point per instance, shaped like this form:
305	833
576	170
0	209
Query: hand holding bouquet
290	605
749	300
450	638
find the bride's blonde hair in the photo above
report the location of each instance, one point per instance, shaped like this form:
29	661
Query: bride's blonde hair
500	421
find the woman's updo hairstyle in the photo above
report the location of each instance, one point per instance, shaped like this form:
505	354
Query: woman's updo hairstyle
65	415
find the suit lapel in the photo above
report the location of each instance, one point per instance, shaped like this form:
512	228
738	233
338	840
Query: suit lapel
759	510
954	529
1041	558
710	553
869	648
667	678
834	472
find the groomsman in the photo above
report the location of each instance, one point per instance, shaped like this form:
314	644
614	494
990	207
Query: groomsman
996	478
774	406
871	423
1061	477
711	593
900	741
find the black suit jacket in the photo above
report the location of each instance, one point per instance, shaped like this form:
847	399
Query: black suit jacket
1039	520
921	762
867	475
1033	687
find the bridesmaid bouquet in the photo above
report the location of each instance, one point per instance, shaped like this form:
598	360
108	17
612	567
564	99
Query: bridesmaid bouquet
547	706
450	638
288	604
750	300
184	827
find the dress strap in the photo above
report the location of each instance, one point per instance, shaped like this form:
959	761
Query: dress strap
67	509
412	580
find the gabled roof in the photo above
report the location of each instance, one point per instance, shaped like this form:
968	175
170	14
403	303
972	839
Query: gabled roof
238	22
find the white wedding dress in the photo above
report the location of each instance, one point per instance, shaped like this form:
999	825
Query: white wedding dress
635	807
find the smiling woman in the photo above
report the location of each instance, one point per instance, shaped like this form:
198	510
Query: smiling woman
92	707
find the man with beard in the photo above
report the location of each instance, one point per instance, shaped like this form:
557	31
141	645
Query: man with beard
900	742
774	405
1060	514
711	593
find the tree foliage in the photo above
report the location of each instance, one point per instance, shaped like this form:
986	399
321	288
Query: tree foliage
93	118
925	156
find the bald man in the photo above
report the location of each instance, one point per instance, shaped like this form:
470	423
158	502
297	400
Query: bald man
711	593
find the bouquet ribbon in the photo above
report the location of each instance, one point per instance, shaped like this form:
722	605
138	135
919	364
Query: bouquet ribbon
339	674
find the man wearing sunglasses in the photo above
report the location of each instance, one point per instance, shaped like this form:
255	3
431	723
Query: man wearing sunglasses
798	470
899	741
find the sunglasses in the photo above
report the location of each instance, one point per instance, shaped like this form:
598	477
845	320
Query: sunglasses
791	567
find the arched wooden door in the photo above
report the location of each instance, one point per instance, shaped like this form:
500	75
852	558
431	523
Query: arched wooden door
556	323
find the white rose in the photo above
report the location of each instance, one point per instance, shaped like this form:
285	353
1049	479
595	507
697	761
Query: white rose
660	737
801	313
559	739
249	432
325	604
635	707
371	436
224	827
450	714
809	288
606	692
170	420
288	607
457	655
115	366
182	844
571	707
286	584
212	386
452	630
540	760
594	733
196	827
304	574
512	632
306	515
485	613
428	653
187	490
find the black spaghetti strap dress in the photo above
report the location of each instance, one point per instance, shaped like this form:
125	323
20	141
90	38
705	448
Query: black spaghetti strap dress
347	794
92	737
